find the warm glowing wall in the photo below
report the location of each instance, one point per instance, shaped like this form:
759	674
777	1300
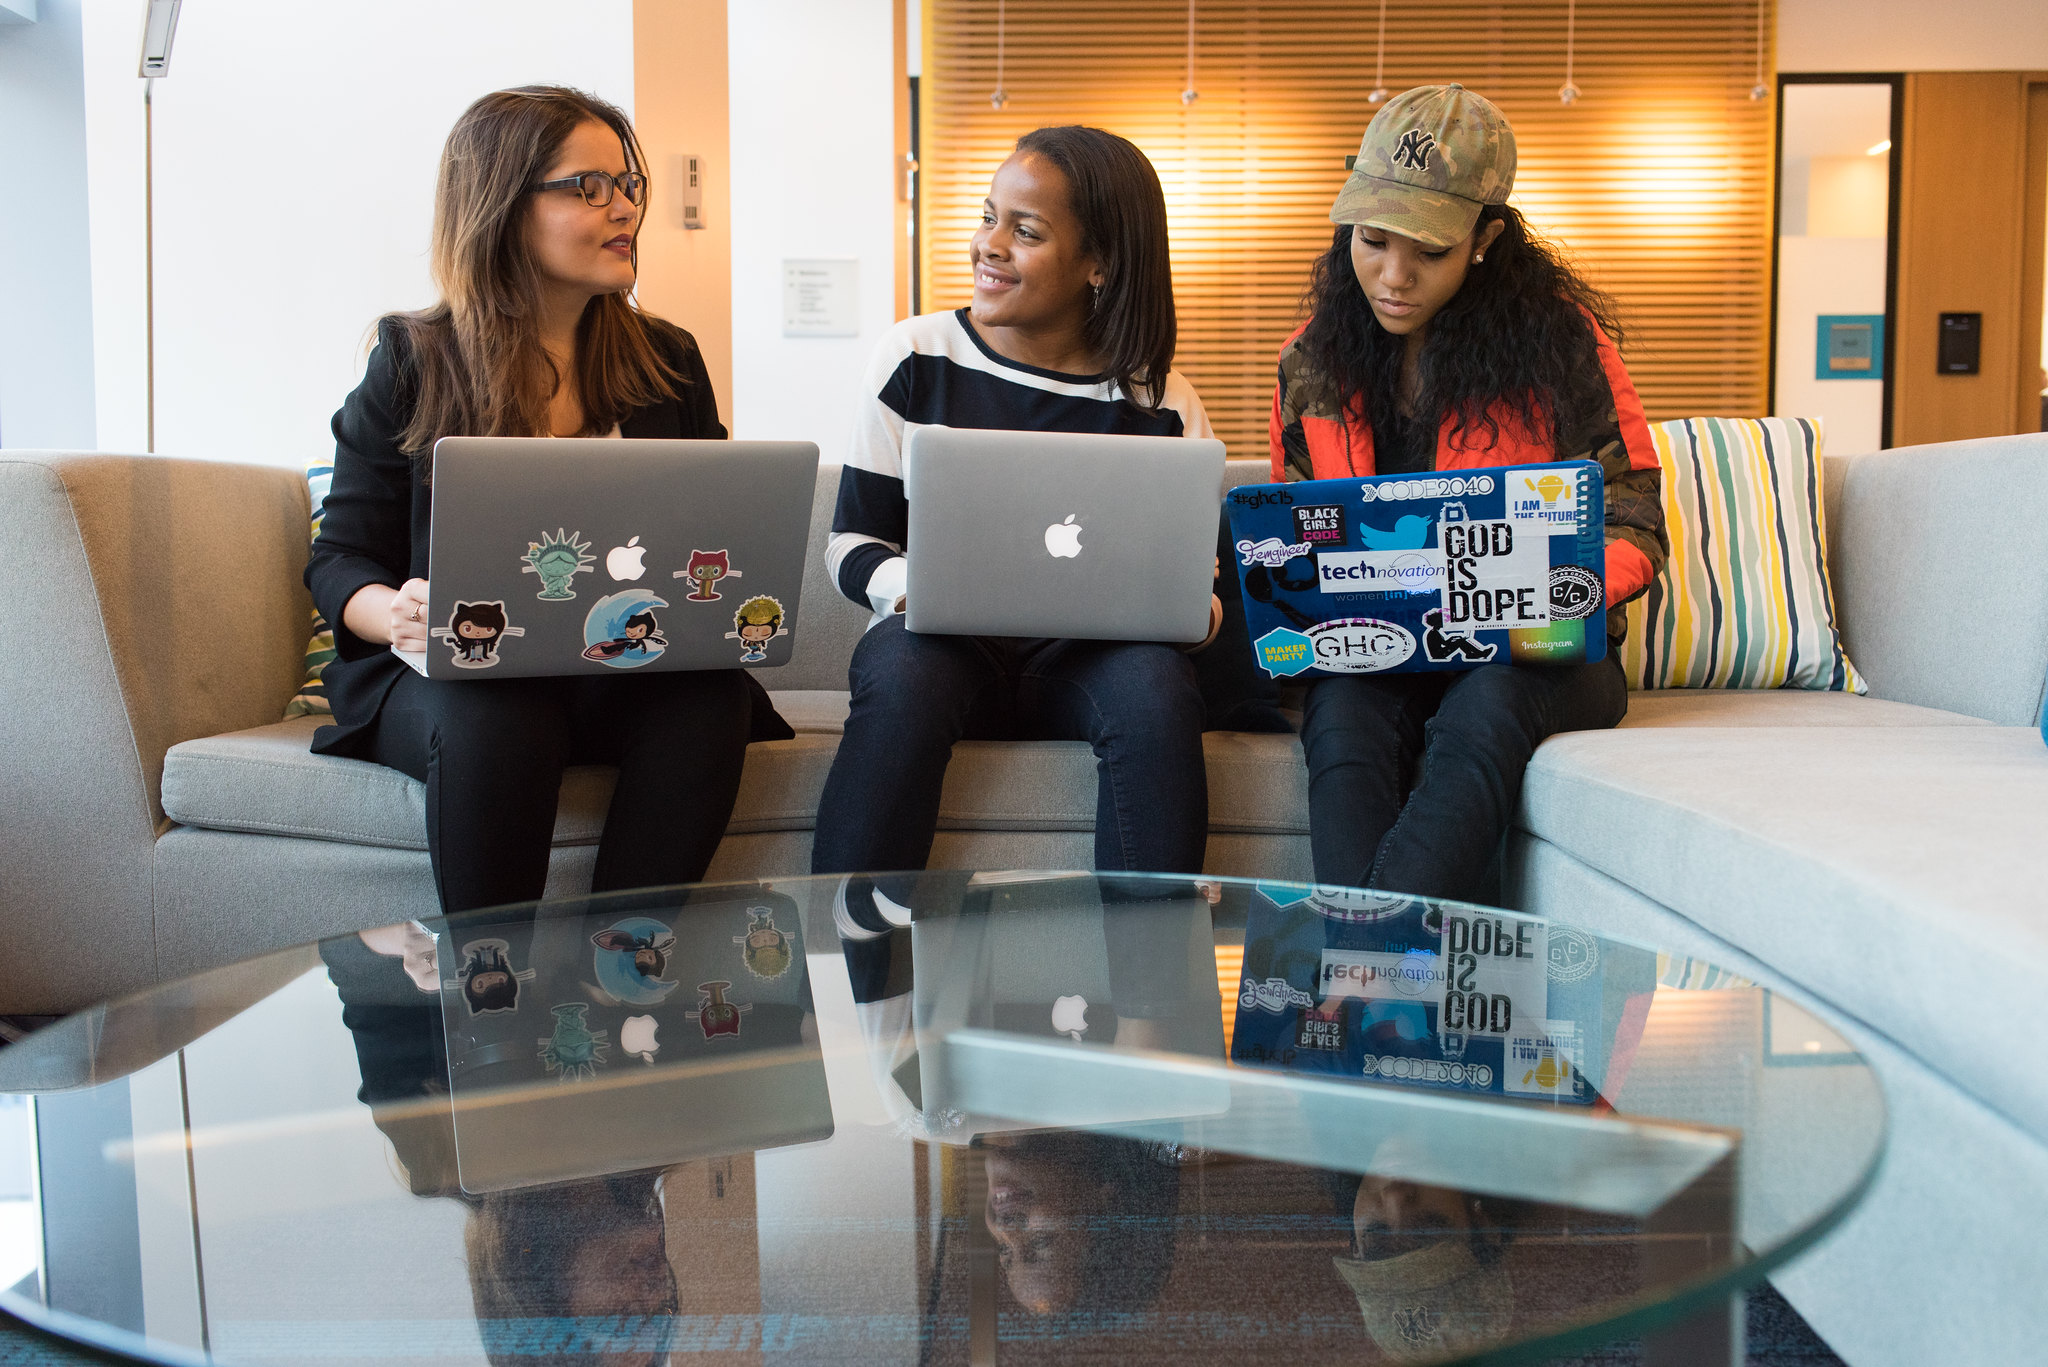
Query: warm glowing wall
1658	180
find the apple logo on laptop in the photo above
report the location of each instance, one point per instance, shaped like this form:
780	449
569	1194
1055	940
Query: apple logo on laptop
623	562
1063	539
636	1037
1070	1016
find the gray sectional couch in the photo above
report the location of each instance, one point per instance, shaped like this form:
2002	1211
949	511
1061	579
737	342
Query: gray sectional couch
1885	857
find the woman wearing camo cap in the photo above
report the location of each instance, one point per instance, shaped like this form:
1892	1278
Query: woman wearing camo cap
1445	335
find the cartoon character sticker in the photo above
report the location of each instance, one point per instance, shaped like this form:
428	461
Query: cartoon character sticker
574	1051
474	631
631	958
705	569
621	630
758	622
765	946
717	1016
488	981
557	559
1440	645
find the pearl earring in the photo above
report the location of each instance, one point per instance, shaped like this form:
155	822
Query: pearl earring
1478	257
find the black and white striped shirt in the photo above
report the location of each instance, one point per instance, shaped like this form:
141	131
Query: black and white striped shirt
936	370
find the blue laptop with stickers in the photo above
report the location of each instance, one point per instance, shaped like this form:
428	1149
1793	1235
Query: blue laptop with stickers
1437	571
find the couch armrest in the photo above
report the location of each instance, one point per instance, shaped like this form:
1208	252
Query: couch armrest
150	601
1935	553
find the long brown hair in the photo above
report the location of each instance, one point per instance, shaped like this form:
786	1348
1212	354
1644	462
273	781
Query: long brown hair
477	364
1116	195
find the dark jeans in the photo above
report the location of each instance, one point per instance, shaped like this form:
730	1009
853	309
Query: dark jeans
914	695
491	753
1413	778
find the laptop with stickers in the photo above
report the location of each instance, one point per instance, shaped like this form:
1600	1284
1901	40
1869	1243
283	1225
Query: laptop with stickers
650	1032
566	556
1062	960
1062	534
1430	572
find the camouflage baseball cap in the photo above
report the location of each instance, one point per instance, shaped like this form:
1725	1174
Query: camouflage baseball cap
1431	158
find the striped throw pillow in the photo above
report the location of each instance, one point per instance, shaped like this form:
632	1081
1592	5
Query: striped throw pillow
311	699
1744	601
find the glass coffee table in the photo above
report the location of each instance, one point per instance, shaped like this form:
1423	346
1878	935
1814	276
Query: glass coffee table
935	1118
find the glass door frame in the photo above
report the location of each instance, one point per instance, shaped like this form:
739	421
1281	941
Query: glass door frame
1894	164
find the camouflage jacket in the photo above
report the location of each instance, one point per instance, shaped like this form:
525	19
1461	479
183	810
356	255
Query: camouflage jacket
1311	439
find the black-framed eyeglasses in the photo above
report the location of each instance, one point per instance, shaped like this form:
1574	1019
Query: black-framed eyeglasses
596	186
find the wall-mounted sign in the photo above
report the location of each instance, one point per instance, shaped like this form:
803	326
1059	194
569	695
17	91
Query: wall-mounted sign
821	298
1850	346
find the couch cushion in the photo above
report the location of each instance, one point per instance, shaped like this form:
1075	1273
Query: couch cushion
1779	707
1899	873
267	781
1743	601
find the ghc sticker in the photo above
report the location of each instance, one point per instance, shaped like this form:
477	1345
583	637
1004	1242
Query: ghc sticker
1359	645
1283	652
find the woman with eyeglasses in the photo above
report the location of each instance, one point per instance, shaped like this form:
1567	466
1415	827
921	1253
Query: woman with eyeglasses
536	215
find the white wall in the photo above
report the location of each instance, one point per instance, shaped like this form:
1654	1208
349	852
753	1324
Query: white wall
1826	275
295	155
813	132
46	381
1912	35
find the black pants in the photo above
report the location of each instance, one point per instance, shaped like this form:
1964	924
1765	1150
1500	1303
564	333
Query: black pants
1413	778
491	753
915	694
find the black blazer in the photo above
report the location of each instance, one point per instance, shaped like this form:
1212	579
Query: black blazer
375	525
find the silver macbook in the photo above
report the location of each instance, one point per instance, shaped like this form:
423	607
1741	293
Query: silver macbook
592	555
1046	958
1061	534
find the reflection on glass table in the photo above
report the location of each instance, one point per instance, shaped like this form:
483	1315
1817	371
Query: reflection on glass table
933	1118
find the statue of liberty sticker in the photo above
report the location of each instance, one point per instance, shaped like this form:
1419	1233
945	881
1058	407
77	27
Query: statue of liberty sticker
557	559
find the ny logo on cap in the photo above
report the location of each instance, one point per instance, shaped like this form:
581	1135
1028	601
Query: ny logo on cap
1414	150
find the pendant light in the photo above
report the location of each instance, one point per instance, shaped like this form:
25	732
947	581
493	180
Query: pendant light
1568	93
1757	91
1378	93
1189	94
999	97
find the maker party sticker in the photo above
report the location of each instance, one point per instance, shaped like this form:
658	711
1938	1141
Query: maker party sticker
1284	652
1359	645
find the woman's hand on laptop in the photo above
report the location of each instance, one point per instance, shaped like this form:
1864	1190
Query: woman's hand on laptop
396	617
408	616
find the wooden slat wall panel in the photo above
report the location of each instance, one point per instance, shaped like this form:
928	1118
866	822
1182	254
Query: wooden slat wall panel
1658	181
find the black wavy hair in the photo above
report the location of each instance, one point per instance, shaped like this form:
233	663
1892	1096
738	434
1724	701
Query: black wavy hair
1114	191
1515	331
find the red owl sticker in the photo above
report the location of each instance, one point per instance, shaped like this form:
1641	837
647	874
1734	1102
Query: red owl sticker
717	1016
704	571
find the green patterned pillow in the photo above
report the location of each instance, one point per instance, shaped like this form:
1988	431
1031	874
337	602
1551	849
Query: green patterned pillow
311	699
1744	601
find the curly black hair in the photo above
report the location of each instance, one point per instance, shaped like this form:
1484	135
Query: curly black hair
1515	331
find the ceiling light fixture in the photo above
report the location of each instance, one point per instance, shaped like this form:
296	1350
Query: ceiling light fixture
1379	65
1189	94
1878	149
1759	90
999	97
1568	93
